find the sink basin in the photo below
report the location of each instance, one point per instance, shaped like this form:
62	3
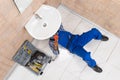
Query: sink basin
44	23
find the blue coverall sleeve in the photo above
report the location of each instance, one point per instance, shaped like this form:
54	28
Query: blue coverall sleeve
61	28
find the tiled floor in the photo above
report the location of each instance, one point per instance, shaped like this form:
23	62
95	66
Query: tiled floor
71	67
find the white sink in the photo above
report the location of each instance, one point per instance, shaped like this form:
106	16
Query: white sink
44	23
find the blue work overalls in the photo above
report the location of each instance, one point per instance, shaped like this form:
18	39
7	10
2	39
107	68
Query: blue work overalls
75	43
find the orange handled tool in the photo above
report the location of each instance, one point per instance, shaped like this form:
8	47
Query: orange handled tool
56	41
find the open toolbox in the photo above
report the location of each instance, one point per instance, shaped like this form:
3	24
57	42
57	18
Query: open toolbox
32	58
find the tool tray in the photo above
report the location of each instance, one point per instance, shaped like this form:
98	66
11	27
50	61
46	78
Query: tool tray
32	58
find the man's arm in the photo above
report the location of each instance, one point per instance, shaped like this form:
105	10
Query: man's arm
61	28
53	43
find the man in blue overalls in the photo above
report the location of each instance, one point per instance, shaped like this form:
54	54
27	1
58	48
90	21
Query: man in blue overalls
75	44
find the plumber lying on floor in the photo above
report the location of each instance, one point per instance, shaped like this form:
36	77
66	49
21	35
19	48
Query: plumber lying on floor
75	43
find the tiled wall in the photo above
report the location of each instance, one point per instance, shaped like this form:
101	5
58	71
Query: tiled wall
12	32
105	13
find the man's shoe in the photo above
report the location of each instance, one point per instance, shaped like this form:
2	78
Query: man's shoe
97	69
104	38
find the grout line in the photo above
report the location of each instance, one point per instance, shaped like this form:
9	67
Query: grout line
112	51
66	68
77	25
97	48
93	54
84	68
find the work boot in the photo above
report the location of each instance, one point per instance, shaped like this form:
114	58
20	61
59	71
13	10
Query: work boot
97	69
104	38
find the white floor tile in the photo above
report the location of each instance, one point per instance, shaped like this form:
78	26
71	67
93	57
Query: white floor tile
70	76
109	73
83	27
40	44
64	12
105	49
89	74
115	57
74	69
21	73
92	46
56	68
69	21
63	58
53	73
114	74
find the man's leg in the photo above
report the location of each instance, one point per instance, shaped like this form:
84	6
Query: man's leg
81	52
88	36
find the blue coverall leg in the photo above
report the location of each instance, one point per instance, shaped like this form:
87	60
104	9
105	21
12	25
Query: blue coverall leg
82	41
75	44
88	36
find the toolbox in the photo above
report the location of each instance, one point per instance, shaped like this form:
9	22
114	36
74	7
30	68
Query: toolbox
31	58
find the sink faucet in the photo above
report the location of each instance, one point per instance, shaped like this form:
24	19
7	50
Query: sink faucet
38	16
